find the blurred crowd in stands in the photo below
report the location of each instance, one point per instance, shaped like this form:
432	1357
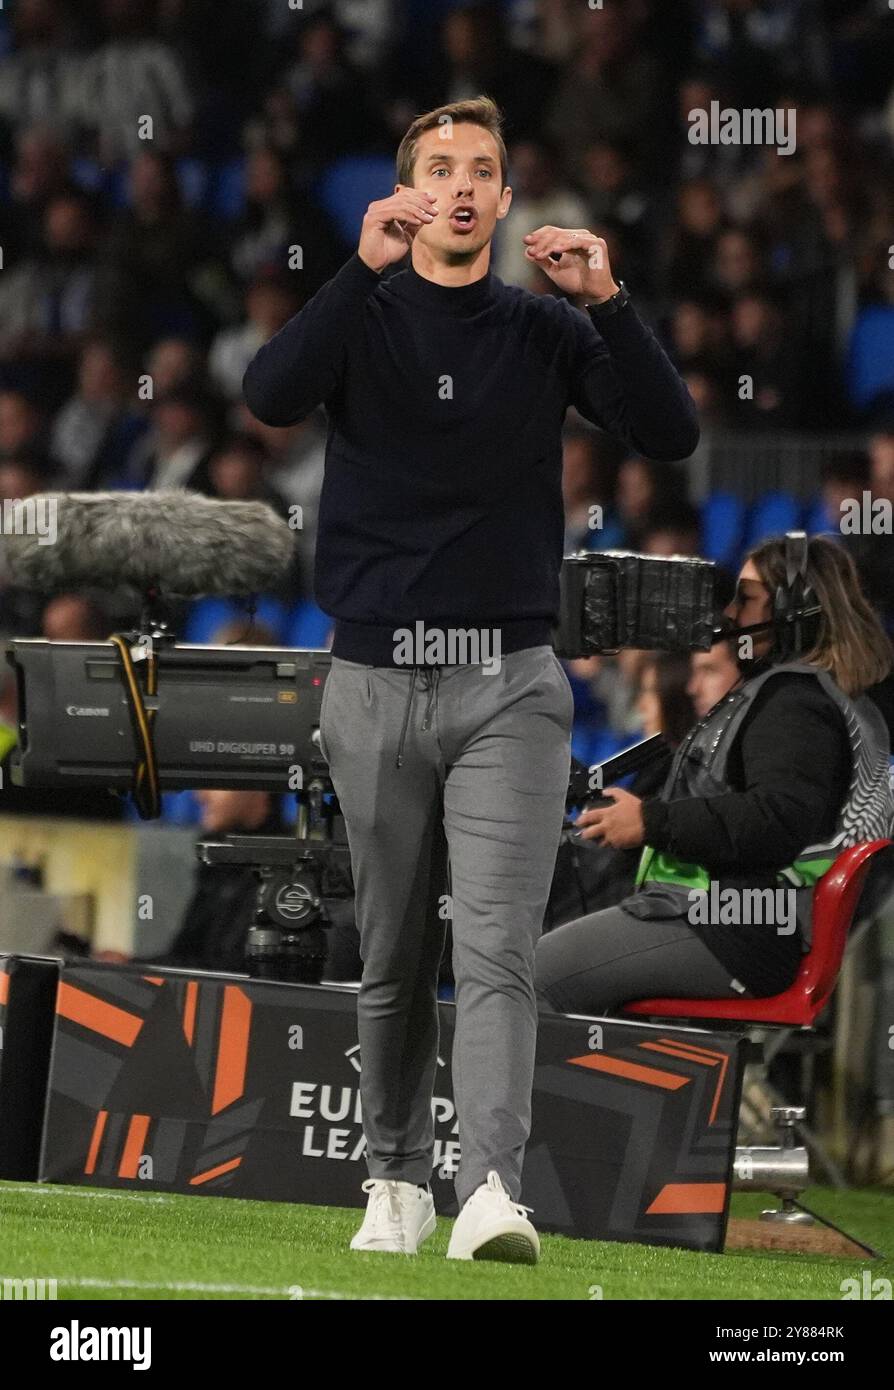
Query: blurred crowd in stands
144	264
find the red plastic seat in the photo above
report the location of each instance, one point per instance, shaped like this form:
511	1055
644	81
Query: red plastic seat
834	904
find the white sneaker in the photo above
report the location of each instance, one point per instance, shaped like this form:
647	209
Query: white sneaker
399	1216
493	1227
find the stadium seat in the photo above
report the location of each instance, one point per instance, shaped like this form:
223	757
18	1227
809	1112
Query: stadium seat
205	617
592	744
835	901
793	1012
177	808
581	742
117	186
180	808
307	626
870	357
192	176
208	615
88	174
818	521
226	198
347	188
288	807
722	525
772	515
588	709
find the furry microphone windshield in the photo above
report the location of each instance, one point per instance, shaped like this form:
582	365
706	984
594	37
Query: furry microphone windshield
177	541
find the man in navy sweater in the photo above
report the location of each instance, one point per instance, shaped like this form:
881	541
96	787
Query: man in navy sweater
439	547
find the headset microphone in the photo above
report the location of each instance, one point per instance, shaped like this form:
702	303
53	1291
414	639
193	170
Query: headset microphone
796	608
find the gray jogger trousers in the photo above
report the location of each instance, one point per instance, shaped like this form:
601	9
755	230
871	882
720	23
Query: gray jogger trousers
435	765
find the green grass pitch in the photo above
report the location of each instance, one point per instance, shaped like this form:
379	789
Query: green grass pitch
101	1244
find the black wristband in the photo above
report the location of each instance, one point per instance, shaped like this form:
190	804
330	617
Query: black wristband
611	306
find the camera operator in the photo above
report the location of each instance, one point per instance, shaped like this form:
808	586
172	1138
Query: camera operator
780	775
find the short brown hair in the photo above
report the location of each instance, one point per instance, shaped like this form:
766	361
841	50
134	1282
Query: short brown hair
476	111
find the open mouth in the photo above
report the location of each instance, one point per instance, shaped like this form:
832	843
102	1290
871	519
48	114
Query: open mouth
463	220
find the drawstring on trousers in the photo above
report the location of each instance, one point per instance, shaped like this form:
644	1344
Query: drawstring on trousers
430	676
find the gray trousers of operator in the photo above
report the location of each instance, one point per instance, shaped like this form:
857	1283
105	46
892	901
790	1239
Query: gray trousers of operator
469	766
598	962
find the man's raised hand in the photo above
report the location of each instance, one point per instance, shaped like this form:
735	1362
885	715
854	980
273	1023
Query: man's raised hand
390	225
574	259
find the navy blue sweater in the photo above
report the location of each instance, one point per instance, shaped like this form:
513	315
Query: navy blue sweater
442	497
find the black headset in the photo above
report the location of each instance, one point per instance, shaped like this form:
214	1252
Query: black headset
796	608
797	612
